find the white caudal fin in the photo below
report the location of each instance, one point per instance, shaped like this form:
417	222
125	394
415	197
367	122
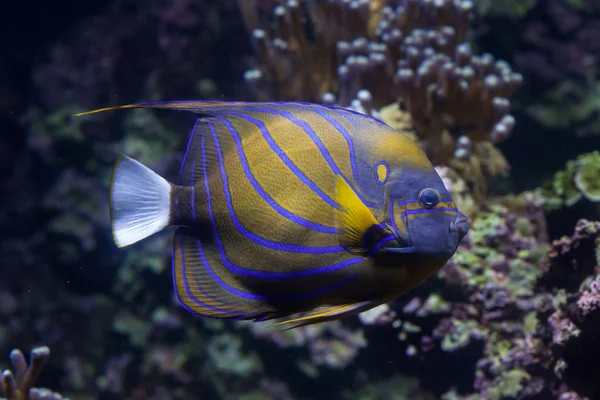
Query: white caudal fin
140	202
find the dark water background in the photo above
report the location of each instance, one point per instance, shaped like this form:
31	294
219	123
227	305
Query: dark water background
81	301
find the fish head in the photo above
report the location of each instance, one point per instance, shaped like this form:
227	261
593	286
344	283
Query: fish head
423	215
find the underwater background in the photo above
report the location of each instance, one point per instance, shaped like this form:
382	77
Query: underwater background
515	135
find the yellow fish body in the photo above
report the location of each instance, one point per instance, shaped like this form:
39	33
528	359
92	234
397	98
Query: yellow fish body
290	209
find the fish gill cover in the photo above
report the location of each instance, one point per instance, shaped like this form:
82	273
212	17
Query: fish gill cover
514	314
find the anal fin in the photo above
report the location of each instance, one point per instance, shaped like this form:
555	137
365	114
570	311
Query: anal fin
198	284
330	313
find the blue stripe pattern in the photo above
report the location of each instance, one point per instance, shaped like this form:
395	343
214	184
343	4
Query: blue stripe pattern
242	229
265	274
260	297
319	143
284	157
252	179
189	292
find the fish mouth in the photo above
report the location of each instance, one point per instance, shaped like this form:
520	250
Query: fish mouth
460	226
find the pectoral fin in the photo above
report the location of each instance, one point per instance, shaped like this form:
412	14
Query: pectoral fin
359	231
354	218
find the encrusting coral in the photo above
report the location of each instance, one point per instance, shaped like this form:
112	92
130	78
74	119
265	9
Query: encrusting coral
579	179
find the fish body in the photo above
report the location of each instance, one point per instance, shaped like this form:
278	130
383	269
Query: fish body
291	209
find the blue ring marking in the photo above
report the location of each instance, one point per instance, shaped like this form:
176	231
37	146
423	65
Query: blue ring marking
278	208
267	274
284	157
279	246
387	172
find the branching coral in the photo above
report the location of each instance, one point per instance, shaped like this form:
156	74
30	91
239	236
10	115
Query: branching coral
19	386
412	53
293	63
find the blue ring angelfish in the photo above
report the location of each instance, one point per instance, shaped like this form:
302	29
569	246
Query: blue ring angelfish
381	172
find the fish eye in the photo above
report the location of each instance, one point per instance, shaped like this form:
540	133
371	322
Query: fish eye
429	198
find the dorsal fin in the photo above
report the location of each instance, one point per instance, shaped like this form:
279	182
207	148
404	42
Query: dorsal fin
190	171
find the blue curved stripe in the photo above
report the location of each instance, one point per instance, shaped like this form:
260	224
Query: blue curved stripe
189	143
383	241
285	158
252	179
343	131
319	143
391	215
250	235
423	211
189	293
260	297
194	189
403	202
307	129
266	274
346	135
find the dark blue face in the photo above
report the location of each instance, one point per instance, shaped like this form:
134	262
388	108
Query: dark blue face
423	215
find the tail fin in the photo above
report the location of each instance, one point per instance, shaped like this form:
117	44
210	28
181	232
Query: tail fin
140	202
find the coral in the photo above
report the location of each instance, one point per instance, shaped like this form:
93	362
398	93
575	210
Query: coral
293	65
330	346
587	177
557	54
575	265
225	352
579	179
416	56
397	387
19	386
